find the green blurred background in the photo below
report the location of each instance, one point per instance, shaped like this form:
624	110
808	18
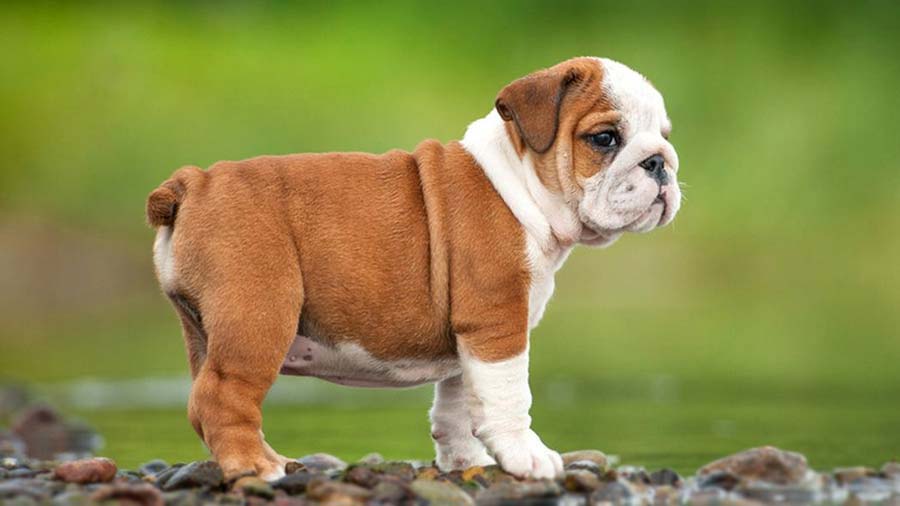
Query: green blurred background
769	312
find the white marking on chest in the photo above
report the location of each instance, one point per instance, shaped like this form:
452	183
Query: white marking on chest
350	364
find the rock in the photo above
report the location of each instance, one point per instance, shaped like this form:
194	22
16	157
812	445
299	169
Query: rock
402	470
427	473
389	492
335	491
580	480
73	498
254	486
182	498
322	462
293	466
440	493
153	468
372	458
141	494
21	472
361	475
767	463
719	480
770	494
472	473
891	469
496	474
665	476
294	483
636	475
34	489
845	475
94	470
204	474
585	465
595	456
508	492
164	476
665	494
42	430
615	492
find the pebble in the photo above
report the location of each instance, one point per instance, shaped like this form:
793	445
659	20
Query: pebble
665	476
254	486
580	480
615	492
153	468
767	464
322	462
294	483
86	471
203	474
140	495
595	456
335	491
441	493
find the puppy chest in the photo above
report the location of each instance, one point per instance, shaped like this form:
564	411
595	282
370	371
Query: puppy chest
350	364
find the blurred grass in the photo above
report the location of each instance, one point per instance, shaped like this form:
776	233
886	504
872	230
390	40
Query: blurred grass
773	298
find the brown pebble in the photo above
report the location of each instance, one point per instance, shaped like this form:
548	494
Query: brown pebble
142	494
94	470
472	472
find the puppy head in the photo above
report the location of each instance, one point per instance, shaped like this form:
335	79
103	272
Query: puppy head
596	133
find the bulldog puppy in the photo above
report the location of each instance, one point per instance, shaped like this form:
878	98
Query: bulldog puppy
406	268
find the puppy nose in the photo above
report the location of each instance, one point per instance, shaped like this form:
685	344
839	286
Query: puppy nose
655	166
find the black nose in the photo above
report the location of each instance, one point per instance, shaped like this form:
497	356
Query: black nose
656	167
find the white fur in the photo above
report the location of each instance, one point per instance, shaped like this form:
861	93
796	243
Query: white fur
162	258
499	402
451	428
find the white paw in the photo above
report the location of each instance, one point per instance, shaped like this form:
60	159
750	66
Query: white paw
462	454
524	455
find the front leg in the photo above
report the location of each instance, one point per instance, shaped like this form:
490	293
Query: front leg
499	403
451	428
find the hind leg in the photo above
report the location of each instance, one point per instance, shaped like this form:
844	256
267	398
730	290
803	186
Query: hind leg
250	326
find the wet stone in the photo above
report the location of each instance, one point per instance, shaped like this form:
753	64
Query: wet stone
203	474
86	471
441	493
665	476
767	463
595	456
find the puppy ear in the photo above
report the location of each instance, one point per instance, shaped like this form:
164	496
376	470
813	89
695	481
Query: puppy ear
533	103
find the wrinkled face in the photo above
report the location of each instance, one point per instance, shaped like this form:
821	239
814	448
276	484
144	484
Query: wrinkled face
597	135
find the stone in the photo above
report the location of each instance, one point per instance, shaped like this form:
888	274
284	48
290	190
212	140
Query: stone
891	469
335	491
389	492
140	494
766	463
615	492
46	434
203	474
585	465
372	458
94	470
845	475
428	473
322	462
665	494
441	493
361	475
73	498
181	498
34	489
402	470
153	467
665	476
293	466
769	494
472	472
294	483
506	492
164	476
719	480
595	456
254	486
581	480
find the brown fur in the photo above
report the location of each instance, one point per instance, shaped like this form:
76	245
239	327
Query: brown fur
408	255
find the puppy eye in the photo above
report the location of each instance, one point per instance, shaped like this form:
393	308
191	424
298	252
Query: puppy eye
607	139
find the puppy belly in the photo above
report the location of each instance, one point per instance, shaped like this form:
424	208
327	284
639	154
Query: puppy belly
350	364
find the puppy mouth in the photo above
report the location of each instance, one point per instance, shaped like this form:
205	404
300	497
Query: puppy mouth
661	199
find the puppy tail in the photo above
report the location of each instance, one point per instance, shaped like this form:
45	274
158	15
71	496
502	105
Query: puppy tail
163	202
